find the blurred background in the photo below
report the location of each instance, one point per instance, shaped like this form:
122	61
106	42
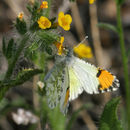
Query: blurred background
104	44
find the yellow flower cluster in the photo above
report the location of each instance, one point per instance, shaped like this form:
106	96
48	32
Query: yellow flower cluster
64	21
20	15
83	51
44	5
44	22
59	46
91	1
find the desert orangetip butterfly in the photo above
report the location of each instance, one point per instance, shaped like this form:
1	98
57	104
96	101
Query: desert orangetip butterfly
70	76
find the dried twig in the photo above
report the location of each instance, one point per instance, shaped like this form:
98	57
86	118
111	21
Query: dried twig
96	42
36	99
86	117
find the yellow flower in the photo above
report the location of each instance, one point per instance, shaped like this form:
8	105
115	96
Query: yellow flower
91	1
44	22
83	51
59	46
64	21
44	5
20	15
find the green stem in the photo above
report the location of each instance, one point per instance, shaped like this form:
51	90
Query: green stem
125	65
14	60
47	14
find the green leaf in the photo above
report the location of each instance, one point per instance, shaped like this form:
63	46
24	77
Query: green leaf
48	37
9	49
21	26
3	46
3	104
53	20
107	26
57	120
72	0
22	77
109	120
48	50
120	2
25	75
128	52
47	11
54	117
29	8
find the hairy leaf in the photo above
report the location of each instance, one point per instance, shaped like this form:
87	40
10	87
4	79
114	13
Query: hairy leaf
21	26
22	77
107	26
3	46
9	49
109	120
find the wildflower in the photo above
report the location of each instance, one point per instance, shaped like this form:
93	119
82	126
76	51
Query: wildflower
83	51
20	15
24	117
40	84
44	22
44	5
64	21
59	46
91	1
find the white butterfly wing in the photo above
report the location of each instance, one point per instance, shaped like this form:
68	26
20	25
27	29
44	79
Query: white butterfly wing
56	86
75	84
82	76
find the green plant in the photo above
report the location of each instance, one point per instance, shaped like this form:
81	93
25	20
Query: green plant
39	42
119	30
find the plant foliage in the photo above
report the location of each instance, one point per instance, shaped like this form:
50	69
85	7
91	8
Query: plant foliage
109	119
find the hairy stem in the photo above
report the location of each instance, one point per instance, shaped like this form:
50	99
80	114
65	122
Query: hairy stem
125	65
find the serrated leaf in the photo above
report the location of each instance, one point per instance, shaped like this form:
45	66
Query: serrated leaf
26	74
48	37
34	46
53	20
109	119
107	26
9	49
3	46
48	50
21	26
29	8
22	77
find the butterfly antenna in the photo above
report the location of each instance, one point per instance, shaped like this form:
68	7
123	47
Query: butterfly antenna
86	37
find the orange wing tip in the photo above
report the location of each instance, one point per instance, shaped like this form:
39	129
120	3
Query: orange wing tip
108	82
66	98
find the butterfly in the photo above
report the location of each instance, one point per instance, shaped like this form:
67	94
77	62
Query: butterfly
70	76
